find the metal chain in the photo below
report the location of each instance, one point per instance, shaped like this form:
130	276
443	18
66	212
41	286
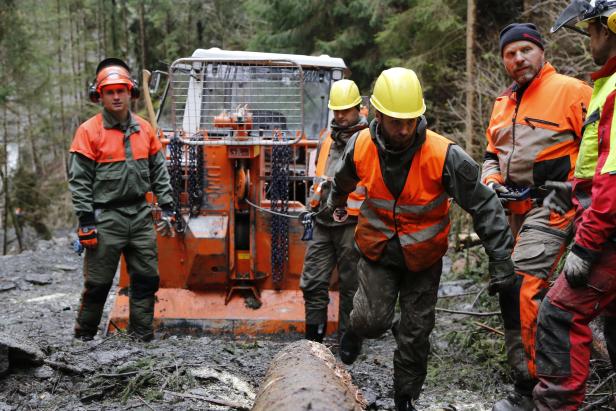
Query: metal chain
279	197
175	174
195	178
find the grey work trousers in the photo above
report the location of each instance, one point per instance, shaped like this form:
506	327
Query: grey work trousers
331	247
380	286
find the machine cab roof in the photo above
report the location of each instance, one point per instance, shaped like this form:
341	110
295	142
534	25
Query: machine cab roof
285	92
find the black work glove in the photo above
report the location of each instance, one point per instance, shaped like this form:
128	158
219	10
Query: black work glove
576	270
502	275
559	198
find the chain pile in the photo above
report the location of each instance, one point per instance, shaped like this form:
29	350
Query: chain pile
195	179
279	197
175	174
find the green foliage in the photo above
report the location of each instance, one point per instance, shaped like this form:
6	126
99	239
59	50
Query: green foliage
49	49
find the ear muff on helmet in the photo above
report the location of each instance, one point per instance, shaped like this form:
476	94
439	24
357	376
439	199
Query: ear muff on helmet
611	22
112	71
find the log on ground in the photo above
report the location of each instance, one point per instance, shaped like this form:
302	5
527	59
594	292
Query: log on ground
305	376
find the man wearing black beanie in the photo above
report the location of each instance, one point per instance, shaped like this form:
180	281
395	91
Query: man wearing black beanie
533	141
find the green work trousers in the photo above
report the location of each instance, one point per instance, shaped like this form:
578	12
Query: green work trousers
331	247
380	286
134	237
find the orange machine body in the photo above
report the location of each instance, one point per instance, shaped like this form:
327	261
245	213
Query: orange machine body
215	273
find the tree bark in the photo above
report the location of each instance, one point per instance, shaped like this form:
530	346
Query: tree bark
5	184
142	40
304	376
470	75
62	151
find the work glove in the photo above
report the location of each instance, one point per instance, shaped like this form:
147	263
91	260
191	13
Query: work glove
498	189
88	236
502	276
576	270
559	198
164	225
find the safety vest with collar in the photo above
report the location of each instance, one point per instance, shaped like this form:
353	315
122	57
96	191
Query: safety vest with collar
594	185
354	200
534	136
419	216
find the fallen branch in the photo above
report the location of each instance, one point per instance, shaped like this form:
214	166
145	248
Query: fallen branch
146	403
209	399
456	295
65	367
478	295
601	401
487	327
478	314
609	377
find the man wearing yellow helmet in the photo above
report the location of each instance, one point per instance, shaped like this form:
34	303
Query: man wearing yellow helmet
332	244
409	173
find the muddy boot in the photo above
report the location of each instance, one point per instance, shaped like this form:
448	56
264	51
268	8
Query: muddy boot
84	335
350	347
316	332
404	403
141	317
515	402
609	331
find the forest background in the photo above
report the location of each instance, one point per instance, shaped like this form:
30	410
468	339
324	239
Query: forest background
49	50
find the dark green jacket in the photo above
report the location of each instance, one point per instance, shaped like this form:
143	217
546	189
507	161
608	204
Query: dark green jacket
113	165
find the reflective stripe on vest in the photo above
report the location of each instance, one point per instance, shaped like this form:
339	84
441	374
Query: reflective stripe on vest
589	147
419	216
354	200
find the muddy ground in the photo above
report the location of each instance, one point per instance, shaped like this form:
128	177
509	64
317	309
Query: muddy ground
39	293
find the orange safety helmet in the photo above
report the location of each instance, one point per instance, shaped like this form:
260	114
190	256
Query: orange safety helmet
112	71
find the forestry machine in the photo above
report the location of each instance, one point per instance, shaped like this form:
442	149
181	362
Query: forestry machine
240	131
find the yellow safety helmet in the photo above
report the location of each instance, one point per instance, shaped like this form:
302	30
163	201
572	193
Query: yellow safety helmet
397	93
344	94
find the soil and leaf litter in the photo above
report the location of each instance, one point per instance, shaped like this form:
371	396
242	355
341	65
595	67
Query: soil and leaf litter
40	292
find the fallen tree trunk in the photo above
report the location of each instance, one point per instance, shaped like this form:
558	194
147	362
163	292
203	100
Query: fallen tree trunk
305	376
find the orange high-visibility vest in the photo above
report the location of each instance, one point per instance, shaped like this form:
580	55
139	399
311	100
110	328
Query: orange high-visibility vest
354	200
419	216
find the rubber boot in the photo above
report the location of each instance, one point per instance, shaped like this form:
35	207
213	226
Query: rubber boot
404	403
316	332
515	402
350	347
141	317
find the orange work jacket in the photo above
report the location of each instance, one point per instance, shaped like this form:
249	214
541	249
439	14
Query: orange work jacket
535	137
419	216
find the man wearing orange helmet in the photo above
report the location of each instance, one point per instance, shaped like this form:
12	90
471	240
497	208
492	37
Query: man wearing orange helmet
332	245
115	160
409	173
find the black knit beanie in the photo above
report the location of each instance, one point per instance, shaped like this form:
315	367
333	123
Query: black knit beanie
518	32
